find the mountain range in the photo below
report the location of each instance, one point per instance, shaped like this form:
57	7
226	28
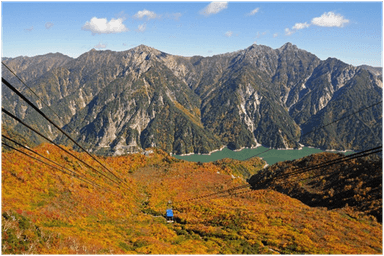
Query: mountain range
120	102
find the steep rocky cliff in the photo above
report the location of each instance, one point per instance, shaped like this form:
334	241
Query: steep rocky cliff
120	102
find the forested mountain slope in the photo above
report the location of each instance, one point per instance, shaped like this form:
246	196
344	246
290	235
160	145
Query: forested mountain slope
355	183
120	102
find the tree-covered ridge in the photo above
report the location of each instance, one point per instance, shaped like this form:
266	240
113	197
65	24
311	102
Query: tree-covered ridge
355	184
47	212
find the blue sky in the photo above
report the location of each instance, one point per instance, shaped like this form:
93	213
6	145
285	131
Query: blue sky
349	31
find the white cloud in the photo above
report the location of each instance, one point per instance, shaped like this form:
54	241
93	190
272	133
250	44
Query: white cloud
103	26
296	27
253	12
275	35
48	25
28	29
100	46
301	25
145	13
330	19
213	8
289	32
228	33
141	28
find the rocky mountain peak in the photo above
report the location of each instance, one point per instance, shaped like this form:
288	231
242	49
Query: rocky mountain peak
146	49
331	60
288	46
257	47
333	63
374	70
126	101
91	52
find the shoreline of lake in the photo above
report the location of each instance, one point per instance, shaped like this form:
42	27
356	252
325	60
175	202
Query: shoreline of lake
271	156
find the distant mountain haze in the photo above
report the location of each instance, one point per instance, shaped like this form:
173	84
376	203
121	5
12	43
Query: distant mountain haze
120	102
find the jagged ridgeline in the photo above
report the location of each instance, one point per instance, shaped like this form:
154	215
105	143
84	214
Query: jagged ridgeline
120	102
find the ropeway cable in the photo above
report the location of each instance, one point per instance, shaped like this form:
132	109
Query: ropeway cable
333	172
50	165
332	162
61	170
51	141
325	164
253	187
74	173
316	129
61	130
30	89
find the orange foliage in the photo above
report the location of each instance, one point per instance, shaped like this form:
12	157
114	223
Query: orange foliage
79	218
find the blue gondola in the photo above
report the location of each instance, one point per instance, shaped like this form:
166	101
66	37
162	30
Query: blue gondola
169	212
169	215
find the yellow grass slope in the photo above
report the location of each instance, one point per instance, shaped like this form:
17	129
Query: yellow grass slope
47	212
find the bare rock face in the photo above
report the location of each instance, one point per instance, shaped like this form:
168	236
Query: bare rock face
121	102
377	71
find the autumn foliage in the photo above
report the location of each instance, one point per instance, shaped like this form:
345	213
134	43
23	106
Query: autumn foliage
47	212
354	184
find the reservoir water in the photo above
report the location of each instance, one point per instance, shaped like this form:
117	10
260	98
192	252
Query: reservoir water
271	156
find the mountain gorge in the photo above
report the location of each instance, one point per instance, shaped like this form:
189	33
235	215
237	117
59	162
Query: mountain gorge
120	102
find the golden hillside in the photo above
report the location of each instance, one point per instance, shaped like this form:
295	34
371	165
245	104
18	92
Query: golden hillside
47	212
356	183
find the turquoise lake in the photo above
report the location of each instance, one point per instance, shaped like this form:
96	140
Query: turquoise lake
271	156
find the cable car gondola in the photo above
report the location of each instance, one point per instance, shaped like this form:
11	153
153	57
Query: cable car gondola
169	216
169	213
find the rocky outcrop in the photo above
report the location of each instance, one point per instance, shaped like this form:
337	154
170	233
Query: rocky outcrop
119	102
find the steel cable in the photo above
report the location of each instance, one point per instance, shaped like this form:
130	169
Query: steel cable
316	129
79	178
61	130
51	141
63	171
29	88
74	173
325	164
331	162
